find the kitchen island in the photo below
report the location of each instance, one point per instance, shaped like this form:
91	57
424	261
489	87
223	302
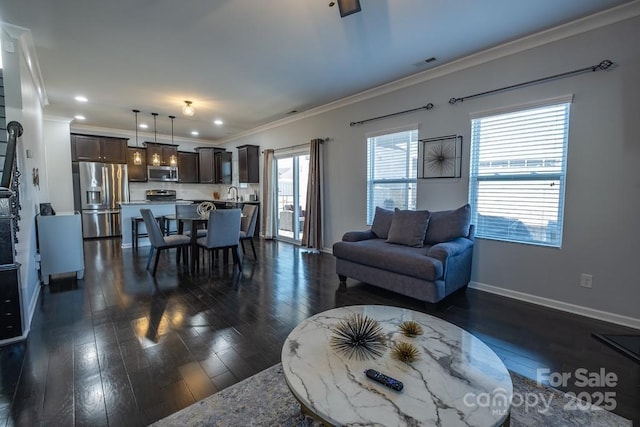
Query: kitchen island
132	210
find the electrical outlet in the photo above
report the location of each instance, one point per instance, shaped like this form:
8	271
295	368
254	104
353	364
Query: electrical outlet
586	280
9	47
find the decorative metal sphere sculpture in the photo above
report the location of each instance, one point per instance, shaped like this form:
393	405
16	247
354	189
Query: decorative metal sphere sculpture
358	336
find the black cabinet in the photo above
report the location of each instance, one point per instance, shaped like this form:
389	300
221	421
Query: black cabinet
187	167
162	154
214	165
222	168
137	173
248	164
91	148
205	165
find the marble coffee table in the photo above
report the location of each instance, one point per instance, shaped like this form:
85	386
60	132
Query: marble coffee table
458	380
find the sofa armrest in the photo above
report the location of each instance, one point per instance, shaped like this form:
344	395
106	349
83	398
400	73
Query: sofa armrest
356	236
442	251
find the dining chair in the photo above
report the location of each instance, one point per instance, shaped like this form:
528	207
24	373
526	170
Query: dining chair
159	241
223	232
248	226
184	227
189	211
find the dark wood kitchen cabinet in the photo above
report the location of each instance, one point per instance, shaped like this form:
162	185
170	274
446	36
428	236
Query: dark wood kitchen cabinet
205	165
248	164
187	167
92	148
137	173
215	165
222	169
167	154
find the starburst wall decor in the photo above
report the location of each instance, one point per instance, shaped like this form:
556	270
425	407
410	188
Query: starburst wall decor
359	336
441	157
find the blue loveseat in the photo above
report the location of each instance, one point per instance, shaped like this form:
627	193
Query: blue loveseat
421	254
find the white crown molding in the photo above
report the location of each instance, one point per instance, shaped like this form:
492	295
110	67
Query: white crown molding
142	136
56	119
579	26
559	305
28	50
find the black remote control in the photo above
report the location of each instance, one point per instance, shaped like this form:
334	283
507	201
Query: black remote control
384	380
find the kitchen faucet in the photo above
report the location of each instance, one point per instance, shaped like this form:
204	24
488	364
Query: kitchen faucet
233	187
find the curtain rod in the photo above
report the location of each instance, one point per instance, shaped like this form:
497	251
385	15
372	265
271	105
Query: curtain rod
429	106
603	65
322	140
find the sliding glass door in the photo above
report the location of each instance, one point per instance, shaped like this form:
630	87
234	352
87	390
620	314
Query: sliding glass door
293	173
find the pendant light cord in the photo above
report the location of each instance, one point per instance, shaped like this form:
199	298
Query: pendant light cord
172	117
136	113
155	131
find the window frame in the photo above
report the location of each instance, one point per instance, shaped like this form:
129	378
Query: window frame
410	167
534	176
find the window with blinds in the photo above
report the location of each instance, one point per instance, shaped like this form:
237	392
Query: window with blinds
517	177
392	170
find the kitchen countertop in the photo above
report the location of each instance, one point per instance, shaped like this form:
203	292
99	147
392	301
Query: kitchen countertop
240	202
182	201
155	202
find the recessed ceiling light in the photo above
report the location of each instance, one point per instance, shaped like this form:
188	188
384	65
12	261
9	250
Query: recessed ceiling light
218	122
195	133
79	117
81	98
143	126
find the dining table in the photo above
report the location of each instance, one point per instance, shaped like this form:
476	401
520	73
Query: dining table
195	222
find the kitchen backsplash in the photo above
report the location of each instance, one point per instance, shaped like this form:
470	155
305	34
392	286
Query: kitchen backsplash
137	190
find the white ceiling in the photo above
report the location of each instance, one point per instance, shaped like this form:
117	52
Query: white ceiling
251	62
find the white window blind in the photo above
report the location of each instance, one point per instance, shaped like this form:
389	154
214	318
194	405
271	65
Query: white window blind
517	177
392	162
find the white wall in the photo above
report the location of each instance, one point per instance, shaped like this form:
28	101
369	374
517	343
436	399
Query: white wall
23	104
603	180
58	160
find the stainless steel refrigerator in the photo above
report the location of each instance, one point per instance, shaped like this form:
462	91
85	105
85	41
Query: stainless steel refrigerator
102	187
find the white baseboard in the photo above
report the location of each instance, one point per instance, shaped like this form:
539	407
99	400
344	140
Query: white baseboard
559	305
31	309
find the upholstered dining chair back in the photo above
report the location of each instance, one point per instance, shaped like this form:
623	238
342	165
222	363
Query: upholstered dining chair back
187	211
249	219
248	228
159	241
153	228
223	229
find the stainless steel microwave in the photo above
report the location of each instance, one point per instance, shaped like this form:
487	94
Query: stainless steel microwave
162	173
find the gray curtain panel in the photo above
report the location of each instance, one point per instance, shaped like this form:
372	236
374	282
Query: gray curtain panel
312	235
269	196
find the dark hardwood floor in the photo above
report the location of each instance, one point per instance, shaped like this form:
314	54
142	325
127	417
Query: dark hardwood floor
120	348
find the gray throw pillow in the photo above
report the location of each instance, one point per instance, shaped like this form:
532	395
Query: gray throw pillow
408	228
382	222
448	225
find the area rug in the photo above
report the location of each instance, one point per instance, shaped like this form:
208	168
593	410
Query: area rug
265	400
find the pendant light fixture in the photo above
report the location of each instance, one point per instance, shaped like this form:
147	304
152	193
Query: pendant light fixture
173	160
137	157
155	159
188	109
